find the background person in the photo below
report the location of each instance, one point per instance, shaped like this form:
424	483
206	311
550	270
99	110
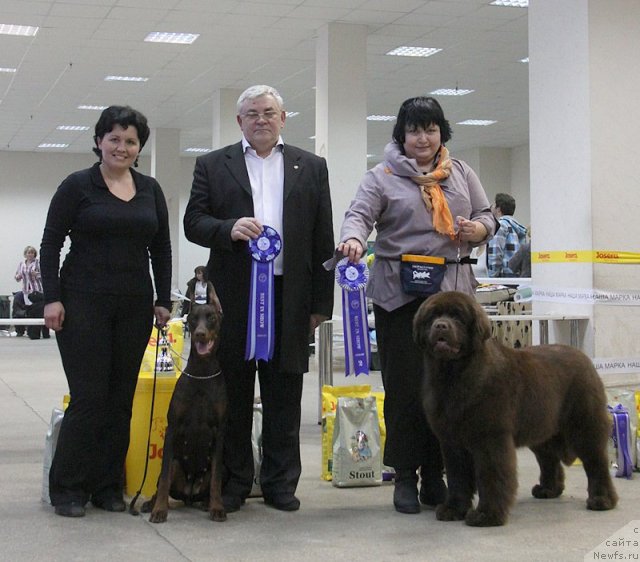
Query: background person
100	305
508	239
411	198
28	302
200	291
236	190
28	272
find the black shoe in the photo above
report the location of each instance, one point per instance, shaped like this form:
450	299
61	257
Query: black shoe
284	502
433	492
232	503
71	509
405	491
109	504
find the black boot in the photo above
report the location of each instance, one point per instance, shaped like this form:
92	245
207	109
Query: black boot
405	492
433	490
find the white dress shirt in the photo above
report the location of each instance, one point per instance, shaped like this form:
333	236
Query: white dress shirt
267	187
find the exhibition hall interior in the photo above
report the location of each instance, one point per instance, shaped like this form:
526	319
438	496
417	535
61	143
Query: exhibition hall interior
536	93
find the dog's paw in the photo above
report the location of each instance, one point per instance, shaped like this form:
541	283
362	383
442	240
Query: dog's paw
545	493
158	516
147	506
475	518
601	503
218	515
447	513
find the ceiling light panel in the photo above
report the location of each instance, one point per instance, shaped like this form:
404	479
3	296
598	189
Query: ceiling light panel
72	128
381	118
406	51
451	92
20	30
197	149
8	70
126	78
170	37
477	122
511	3
93	107
53	145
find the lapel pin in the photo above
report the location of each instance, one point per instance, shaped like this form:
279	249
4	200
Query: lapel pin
295	167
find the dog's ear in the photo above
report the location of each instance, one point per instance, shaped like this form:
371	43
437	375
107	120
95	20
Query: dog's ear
420	325
482	323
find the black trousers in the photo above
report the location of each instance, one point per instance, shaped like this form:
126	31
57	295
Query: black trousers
281	395
410	442
19	310
101	345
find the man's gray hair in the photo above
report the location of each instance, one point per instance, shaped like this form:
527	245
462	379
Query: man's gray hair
254	92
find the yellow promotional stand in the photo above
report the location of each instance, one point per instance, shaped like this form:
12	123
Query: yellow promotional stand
140	417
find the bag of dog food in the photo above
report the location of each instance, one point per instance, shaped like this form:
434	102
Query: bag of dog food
357	457
50	442
621	436
625	397
638	430
330	395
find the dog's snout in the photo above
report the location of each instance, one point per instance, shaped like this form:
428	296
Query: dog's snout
200	330
440	325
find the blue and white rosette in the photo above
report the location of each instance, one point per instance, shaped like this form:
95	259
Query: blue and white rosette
352	277
261	328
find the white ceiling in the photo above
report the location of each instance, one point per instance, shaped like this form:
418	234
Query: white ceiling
254	42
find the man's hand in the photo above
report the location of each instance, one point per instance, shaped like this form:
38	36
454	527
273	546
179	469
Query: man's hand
246	228
315	320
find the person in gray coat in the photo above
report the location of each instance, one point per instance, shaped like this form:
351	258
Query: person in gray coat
425	206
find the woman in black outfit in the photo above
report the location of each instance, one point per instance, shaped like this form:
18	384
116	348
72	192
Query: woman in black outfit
100	304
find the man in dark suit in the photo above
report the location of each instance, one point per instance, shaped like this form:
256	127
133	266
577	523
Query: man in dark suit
236	190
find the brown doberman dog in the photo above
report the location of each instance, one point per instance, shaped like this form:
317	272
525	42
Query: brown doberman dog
192	459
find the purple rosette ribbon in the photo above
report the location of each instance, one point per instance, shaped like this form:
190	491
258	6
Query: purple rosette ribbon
620	433
261	328
352	278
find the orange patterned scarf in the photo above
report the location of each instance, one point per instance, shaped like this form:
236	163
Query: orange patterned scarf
434	197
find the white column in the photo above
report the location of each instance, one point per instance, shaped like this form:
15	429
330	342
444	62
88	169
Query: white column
583	127
225	126
165	167
341	110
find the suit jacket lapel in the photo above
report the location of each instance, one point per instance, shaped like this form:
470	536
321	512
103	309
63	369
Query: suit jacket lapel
237	166
292	169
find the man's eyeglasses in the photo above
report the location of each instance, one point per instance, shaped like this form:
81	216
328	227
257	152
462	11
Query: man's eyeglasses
254	115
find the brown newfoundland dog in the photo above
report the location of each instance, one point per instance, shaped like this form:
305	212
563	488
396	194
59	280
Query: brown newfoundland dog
483	400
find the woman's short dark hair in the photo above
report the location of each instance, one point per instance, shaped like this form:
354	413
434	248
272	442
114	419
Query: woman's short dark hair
201	269
420	112
124	116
